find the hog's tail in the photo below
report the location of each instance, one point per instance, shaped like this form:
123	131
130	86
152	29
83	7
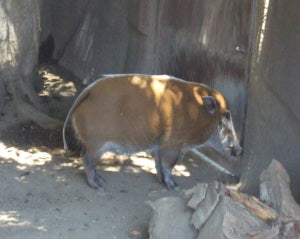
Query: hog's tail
80	98
64	131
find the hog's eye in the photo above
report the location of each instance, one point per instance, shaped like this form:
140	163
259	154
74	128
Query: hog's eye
227	115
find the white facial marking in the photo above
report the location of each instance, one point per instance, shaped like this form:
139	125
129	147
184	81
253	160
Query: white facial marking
227	135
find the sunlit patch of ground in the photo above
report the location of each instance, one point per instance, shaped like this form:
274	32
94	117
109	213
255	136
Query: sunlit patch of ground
37	156
30	157
11	218
57	88
54	84
111	162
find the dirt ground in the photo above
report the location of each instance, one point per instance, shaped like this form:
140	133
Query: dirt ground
44	193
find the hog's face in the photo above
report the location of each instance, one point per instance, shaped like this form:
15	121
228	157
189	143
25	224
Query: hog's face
227	135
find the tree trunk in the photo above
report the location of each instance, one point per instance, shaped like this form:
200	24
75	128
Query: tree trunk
19	46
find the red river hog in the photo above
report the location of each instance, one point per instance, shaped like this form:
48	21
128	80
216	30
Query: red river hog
159	114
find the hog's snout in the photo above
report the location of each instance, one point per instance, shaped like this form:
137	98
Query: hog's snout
236	150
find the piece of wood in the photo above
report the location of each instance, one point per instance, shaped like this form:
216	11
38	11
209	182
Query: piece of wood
196	195
254	205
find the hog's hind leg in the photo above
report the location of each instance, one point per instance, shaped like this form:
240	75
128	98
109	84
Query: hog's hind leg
90	162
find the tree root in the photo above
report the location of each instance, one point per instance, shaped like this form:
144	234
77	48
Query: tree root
28	112
25	105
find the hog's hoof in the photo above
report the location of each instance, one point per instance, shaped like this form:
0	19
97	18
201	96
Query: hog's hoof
96	181
171	184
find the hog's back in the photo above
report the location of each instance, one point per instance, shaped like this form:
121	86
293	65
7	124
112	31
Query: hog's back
116	110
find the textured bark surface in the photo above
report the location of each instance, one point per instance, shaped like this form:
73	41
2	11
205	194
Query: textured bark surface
273	116
19	46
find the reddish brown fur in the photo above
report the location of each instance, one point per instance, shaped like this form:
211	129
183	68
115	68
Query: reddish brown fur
142	111
131	111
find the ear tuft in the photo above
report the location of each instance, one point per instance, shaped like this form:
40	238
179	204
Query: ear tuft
210	104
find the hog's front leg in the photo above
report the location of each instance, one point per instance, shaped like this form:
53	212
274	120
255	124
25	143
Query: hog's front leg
157	159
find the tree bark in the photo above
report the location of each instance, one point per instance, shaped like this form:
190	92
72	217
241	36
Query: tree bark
19	46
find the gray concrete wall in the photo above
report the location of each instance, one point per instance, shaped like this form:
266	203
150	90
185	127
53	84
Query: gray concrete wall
273	115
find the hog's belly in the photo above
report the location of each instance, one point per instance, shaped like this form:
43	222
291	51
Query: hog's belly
127	149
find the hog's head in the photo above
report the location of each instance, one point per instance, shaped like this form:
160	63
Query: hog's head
227	135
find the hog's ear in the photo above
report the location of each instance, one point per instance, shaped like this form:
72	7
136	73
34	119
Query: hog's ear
210	104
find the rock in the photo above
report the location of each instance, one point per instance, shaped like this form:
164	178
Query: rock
222	213
206	207
275	191
170	219
230	219
196	194
218	212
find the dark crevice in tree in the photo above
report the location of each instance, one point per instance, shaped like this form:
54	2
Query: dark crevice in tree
46	50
